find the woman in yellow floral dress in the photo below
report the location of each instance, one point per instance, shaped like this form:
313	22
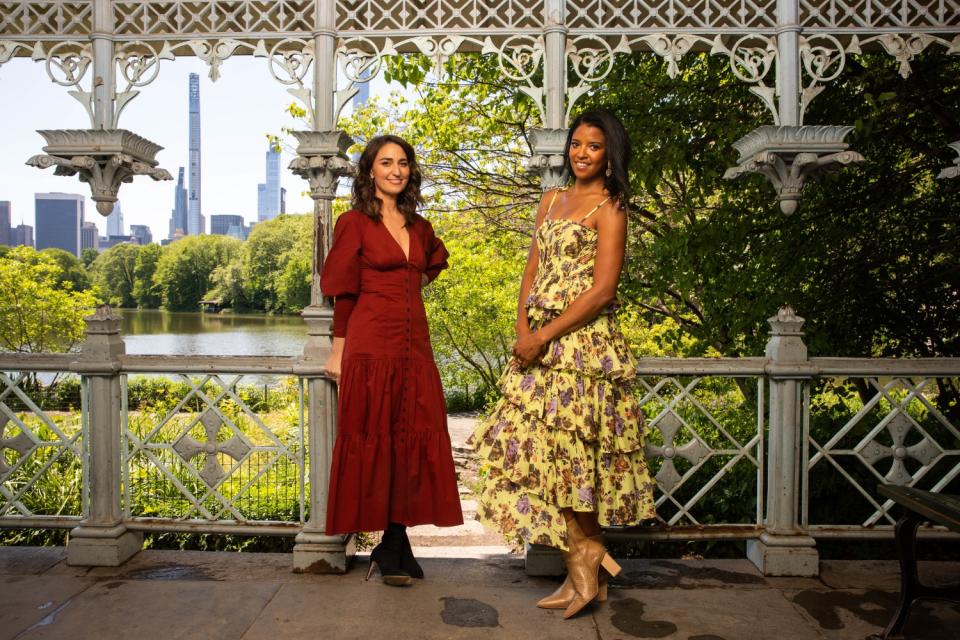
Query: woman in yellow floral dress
564	444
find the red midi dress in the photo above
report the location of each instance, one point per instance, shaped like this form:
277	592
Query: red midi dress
392	461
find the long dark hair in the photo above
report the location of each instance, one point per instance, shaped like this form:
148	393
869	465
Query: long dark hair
617	147
365	197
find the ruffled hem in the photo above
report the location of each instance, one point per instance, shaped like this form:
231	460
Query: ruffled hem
408	477
392	461
601	412
526	515
536	469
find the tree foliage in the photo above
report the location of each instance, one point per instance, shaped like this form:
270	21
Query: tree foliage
272	270
870	259
115	274
146	292
38	310
184	270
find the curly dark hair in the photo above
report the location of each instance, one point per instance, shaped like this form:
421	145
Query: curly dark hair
618	151
365	198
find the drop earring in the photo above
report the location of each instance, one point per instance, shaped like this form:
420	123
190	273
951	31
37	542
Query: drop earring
609	171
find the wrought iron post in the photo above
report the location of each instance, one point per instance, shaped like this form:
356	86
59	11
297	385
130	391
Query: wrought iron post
783	548
102	539
789	153
321	160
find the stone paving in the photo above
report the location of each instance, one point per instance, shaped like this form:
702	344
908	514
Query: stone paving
474	594
475	587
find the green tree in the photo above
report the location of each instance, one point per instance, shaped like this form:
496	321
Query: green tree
87	256
472	309
39	312
145	291
114	273
183	273
275	263
71	268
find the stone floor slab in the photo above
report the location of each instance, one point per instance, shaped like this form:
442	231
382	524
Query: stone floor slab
857	613
688	574
28	600
428	610
701	614
168	609
30	560
883	575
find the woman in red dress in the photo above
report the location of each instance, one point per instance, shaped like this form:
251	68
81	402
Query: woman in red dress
392	463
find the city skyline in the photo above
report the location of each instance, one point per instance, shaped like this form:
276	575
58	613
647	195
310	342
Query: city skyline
232	140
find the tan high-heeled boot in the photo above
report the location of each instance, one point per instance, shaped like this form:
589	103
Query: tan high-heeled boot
565	593
584	572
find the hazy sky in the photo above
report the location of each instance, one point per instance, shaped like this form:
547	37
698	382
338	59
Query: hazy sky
237	111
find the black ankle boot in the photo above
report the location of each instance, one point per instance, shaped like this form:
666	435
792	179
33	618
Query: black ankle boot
387	557
407	562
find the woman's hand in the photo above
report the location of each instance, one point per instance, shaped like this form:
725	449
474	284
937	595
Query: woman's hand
331	368
529	348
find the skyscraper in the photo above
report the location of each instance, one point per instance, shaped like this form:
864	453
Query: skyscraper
22	234
59	218
228	225
195	222
5	229
115	221
268	193
178	216
142	233
89	238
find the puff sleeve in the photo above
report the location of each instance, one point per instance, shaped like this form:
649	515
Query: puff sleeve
437	253
340	277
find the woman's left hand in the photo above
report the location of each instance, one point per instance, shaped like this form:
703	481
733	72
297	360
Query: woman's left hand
528	348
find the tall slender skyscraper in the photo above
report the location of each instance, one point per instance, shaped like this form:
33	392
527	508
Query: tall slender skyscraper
115	221
178	216
195	222
268	193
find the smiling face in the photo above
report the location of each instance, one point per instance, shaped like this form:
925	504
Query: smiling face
588	152
390	171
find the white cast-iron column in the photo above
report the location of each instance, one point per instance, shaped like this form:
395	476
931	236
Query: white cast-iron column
321	160
783	548
102	538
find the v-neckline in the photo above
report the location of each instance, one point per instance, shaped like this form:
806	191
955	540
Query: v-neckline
405	254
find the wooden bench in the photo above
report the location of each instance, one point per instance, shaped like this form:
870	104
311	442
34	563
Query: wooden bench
918	506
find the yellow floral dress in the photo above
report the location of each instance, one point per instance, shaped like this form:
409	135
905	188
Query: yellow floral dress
567	431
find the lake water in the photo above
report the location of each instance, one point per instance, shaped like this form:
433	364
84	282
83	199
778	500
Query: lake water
152	332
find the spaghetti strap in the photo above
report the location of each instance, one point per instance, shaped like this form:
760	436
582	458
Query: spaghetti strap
552	200
594	210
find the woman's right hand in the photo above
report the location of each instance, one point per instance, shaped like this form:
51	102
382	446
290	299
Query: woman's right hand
331	368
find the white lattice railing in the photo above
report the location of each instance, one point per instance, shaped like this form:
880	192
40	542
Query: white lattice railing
207	460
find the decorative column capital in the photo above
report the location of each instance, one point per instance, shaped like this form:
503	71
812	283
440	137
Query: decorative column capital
103	340
322	160
954	171
547	159
104	158
790	155
786	337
